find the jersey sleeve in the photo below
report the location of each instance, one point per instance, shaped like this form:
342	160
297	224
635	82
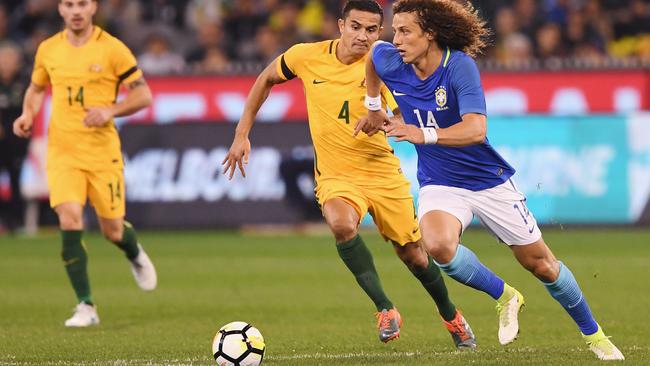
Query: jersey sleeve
388	98
289	64
386	59
125	65
40	76
466	82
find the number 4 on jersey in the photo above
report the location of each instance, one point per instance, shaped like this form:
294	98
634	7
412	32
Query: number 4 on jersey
431	120
345	112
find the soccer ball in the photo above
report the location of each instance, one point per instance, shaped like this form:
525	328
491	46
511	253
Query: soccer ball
238	344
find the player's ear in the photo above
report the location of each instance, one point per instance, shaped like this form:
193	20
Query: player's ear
341	25
93	5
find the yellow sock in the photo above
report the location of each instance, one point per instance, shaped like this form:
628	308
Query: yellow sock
508	293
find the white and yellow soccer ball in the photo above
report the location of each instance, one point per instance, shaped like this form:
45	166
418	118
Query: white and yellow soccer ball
238	344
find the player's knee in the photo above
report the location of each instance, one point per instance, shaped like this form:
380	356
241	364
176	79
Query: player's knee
441	246
70	221
413	256
343	230
113	234
544	269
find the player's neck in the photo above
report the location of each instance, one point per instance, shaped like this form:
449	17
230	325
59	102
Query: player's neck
429	62
81	37
345	56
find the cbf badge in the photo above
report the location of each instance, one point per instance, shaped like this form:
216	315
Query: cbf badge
441	96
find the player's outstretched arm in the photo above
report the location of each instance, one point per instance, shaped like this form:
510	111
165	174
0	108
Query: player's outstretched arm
240	149
138	96
31	106
376	115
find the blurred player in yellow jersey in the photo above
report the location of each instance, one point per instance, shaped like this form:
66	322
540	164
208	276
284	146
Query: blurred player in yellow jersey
85	67
354	175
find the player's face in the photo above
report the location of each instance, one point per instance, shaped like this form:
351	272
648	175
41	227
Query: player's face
359	30
411	41
77	14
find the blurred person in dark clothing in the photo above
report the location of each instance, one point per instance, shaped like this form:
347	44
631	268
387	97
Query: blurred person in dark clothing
210	36
32	15
634	19
284	22
12	148
170	12
266	48
158	57
549	41
4	23
242	21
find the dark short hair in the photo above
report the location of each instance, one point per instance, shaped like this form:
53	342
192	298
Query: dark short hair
371	6
456	26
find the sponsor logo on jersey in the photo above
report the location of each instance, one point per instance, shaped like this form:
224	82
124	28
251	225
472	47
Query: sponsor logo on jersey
96	68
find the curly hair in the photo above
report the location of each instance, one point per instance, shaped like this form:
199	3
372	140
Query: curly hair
454	25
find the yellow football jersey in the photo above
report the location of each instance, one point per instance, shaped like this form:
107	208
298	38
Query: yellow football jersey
335	94
83	77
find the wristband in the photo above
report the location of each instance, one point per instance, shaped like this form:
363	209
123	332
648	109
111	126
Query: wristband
372	103
430	135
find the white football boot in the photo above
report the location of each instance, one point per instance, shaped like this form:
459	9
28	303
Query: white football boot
509	317
604	349
84	316
143	271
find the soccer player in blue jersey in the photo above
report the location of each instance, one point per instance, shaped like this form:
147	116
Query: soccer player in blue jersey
430	71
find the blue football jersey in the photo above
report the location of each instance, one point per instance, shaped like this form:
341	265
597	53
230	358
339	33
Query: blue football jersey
439	101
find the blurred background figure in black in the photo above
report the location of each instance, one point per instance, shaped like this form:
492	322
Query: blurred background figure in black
12	149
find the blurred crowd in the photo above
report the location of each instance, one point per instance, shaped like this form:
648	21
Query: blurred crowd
222	36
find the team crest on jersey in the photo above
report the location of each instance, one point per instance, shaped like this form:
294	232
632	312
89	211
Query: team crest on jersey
441	98
95	68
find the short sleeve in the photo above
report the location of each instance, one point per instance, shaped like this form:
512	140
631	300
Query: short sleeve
288	64
388	98
466	82
40	76
125	65
386	59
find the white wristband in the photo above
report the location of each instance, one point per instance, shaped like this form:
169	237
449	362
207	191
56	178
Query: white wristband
430	135
372	103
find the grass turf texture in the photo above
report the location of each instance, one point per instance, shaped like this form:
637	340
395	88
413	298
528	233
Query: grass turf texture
308	307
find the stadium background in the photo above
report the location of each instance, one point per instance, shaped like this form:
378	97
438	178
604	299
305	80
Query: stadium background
568	90
566	81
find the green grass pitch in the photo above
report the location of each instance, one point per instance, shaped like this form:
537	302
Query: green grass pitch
308	307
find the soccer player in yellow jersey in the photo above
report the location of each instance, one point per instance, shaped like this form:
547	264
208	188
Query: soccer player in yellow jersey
85	67
354	175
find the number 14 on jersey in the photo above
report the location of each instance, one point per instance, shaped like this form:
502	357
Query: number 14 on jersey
431	120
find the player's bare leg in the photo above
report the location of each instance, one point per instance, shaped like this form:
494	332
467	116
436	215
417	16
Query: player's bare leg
75	260
424	269
343	221
441	235
122	234
562	285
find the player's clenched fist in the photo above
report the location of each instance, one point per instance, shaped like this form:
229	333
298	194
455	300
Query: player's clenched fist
97	117
23	126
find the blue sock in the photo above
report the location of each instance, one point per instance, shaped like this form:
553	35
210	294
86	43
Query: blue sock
567	292
467	269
